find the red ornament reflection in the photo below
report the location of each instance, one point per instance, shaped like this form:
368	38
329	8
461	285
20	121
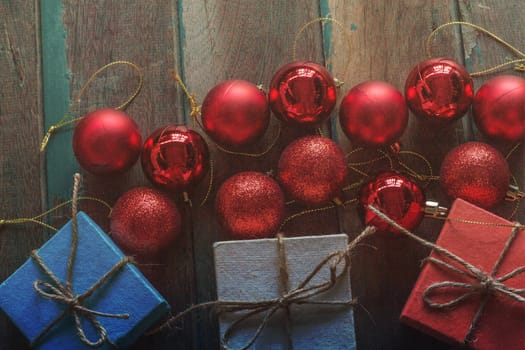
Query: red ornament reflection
394	194
439	89
235	113
499	108
373	114
106	142
302	93
175	158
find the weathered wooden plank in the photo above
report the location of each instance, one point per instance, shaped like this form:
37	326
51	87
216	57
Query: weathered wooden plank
96	33
21	185
482	52
387	41
247	40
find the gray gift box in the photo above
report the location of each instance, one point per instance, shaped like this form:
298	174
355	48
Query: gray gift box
249	271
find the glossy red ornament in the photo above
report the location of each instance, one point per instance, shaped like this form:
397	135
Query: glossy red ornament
475	172
394	194
106	142
145	222
439	89
499	108
235	113
175	158
373	114
250	205
312	170
303	93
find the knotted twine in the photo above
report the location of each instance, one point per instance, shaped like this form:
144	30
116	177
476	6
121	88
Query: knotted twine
338	264
74	304
485	284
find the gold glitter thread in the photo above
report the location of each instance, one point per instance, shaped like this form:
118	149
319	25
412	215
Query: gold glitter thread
314	211
346	34
64	121
37	219
519	64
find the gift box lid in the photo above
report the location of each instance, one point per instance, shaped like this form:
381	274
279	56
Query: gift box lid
127	291
478	237
249	271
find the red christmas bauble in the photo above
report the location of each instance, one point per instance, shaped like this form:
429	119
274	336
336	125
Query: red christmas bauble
373	114
175	158
250	205
394	194
145	222
499	108
439	89
475	172
303	93
312	170
235	113
106	142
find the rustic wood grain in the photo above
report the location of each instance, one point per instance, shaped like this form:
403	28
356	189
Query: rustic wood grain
21	185
207	42
246	40
387	41
146	33
482	52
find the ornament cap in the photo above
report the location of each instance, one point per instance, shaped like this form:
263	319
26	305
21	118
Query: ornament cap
433	209
514	193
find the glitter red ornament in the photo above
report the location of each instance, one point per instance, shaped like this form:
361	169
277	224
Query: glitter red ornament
439	89
312	170
373	114
499	108
302	93
394	194
475	172
145	223
235	113
175	158
106	142
250	205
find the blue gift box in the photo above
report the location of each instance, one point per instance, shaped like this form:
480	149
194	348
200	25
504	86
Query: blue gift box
125	292
249	271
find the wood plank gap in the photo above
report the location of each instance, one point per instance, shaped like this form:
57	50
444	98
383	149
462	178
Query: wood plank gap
466	122
41	124
60	163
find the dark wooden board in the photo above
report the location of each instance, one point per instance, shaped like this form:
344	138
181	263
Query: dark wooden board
387	41
49	49
22	183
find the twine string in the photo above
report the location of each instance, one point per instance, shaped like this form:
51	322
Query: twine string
284	278
64	121
484	283
338	264
63	293
519	64
346	34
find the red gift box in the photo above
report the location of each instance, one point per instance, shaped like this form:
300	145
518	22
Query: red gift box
485	306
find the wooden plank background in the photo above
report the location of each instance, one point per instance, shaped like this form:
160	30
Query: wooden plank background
49	49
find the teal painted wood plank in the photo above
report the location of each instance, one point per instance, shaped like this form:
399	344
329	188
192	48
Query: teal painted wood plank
60	161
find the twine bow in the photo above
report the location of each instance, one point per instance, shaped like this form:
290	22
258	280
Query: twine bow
302	294
485	284
338	264
63	293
